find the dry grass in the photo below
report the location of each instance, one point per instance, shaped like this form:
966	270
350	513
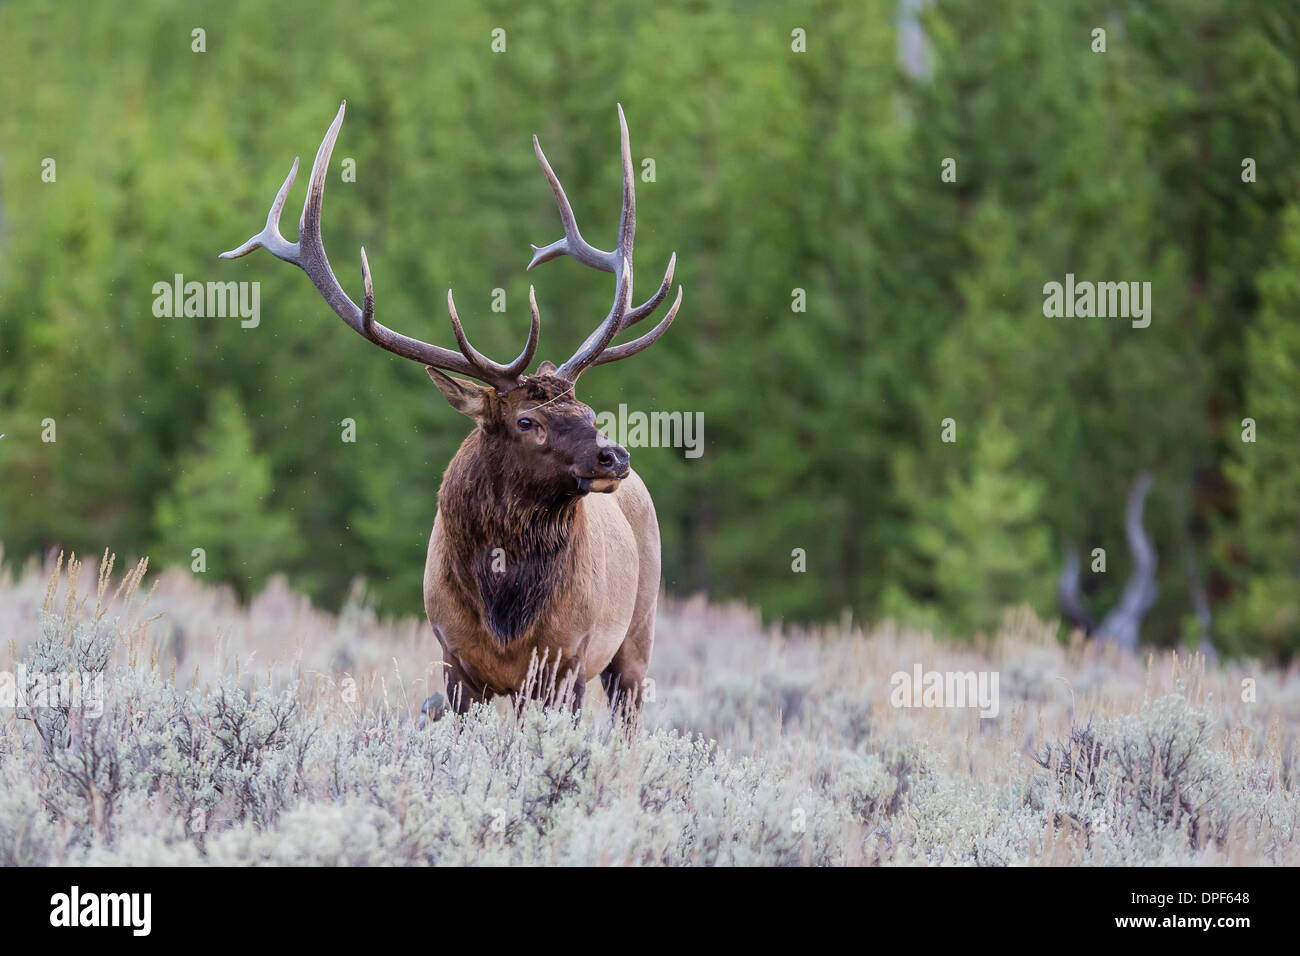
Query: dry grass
276	733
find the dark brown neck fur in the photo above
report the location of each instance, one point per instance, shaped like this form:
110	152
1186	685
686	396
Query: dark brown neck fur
486	506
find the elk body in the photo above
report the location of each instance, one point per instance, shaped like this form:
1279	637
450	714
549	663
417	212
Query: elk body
545	547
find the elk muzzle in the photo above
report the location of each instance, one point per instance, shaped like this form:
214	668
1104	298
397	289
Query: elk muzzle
602	474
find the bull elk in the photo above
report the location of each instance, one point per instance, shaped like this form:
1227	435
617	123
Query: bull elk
545	546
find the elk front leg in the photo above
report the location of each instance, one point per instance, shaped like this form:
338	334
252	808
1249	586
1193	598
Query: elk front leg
576	676
566	683
462	693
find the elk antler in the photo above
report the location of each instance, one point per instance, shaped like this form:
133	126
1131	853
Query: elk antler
596	349
308	254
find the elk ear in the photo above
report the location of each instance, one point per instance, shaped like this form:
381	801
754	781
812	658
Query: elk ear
467	398
546	368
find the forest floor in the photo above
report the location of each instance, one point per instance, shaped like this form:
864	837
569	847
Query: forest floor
276	733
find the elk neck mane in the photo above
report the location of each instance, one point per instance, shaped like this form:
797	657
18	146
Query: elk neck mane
486	507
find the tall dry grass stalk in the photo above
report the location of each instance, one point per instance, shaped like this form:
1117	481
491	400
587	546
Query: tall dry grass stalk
275	732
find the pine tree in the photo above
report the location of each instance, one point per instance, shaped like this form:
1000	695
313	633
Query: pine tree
1263	552
220	503
985	544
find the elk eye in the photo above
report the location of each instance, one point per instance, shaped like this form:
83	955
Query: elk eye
524	424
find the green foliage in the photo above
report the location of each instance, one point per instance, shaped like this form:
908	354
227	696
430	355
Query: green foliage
984	542
221	503
1264	616
775	171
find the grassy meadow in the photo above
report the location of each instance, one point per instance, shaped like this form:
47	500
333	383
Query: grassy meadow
275	733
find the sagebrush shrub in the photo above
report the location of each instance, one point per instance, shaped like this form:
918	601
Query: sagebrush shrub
248	742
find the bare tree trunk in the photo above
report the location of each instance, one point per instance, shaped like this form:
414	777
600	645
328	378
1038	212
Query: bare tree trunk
1200	603
1123	624
1069	595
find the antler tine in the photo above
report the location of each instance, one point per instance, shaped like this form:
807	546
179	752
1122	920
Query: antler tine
489	371
652	303
525	358
598	340
627	220
572	244
308	254
309	221
595	349
368	302
637	345
269	238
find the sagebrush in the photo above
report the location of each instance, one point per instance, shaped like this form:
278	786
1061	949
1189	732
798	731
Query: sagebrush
278	734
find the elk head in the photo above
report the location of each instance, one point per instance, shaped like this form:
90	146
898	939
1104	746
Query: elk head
532	427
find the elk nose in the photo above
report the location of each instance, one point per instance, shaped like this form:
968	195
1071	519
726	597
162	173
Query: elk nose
613	457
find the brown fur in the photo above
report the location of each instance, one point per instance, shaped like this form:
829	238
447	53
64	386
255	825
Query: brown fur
581	571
